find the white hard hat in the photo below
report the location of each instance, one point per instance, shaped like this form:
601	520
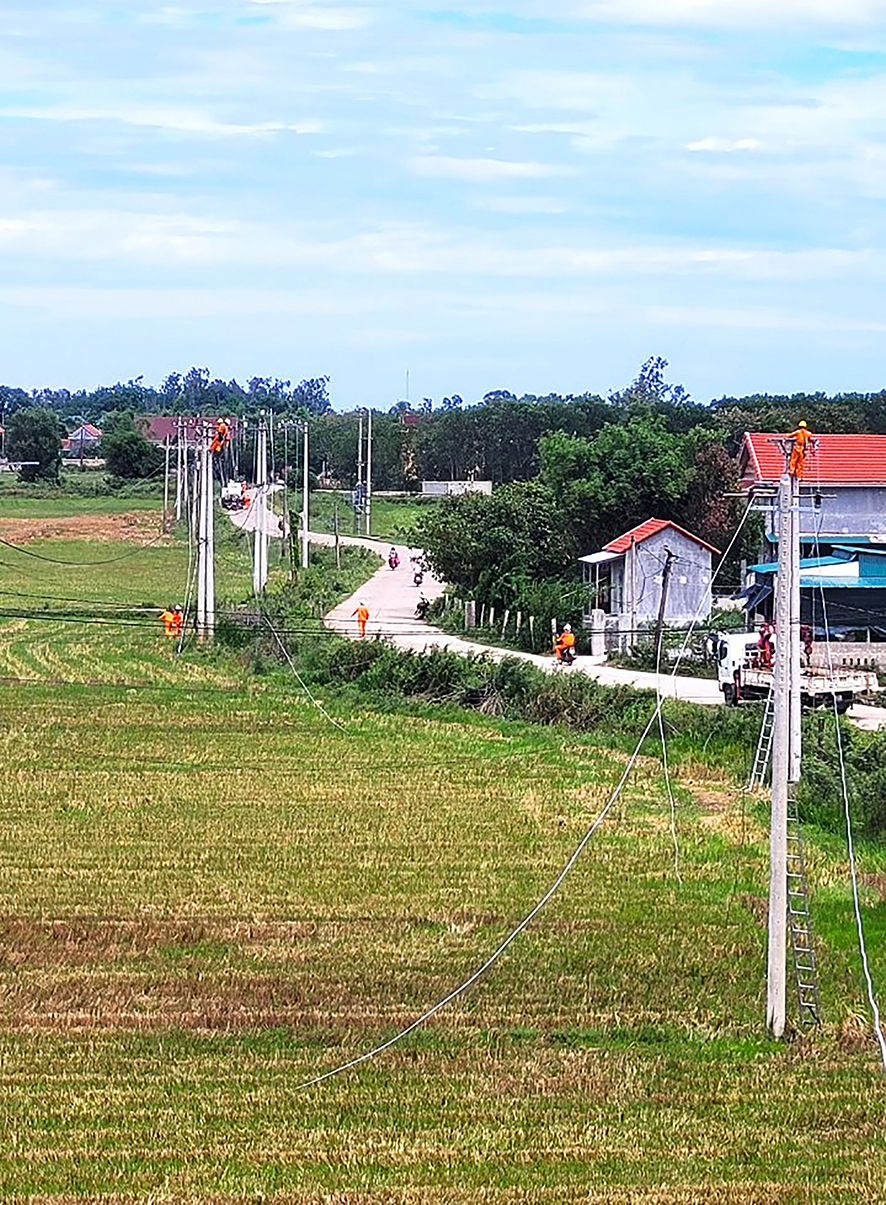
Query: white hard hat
567	627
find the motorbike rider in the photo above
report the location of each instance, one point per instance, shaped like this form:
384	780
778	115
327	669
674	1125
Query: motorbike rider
564	646
393	558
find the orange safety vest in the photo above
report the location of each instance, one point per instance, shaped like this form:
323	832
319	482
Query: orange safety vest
565	641
171	623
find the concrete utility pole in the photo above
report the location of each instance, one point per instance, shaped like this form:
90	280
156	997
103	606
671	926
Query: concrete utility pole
796	738
306	499
784	688
358	493
259	506
205	546
368	472
662	606
179	473
166	484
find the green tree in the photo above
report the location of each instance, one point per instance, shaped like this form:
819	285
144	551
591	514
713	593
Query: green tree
129	456
35	435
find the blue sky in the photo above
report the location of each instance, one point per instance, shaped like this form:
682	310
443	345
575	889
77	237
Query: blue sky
492	195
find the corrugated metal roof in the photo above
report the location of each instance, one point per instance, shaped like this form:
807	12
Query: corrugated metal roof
877	582
650	528
813	562
838	459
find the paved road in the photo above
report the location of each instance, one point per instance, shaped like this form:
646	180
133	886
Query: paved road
258	515
391	597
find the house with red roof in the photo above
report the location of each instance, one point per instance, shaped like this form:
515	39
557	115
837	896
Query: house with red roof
82	441
157	428
842	540
626	578
843	490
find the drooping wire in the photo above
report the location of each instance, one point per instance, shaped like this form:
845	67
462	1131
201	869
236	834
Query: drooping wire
850	837
561	877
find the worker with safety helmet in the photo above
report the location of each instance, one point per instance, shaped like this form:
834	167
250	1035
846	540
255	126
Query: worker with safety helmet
173	621
564	645
802	437
222	436
362	613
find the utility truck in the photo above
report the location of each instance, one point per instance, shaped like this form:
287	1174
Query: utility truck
744	675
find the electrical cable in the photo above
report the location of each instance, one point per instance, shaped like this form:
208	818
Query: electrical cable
39	556
552	890
850	840
332	720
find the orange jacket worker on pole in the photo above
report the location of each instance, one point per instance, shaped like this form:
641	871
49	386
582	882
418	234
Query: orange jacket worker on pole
362	614
222	436
802	438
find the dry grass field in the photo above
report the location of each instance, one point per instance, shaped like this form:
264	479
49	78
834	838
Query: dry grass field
208	894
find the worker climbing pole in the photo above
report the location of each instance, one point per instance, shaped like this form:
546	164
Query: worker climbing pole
802	438
221	450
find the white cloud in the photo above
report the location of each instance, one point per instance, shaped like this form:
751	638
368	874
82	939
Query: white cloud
725	13
180	121
483	171
764	318
725	145
399	249
518	205
298	15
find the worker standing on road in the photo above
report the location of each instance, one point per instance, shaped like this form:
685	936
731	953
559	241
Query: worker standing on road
564	645
173	622
362	614
802	437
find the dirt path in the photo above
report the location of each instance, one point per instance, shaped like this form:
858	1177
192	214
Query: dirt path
142	527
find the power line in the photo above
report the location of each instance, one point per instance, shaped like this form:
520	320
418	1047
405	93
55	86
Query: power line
548	895
850	842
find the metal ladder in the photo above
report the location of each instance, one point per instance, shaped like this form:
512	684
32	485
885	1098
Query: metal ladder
800	923
760	768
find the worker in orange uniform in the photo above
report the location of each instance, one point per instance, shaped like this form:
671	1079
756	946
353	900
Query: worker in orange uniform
564	646
362	614
222	436
802	438
173	621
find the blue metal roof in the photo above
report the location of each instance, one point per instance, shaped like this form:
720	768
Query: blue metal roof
877	582
813	562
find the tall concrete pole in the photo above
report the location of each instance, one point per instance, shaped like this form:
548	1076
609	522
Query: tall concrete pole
202	495
179	474
796	644
259	506
210	546
369	472
305	502
358	494
778	838
166	483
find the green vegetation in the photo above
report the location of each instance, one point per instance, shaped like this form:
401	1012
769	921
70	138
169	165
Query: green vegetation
209	893
235	895
392	518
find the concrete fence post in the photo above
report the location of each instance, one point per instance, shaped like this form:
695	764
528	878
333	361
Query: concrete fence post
470	615
598	634
504	626
532	632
